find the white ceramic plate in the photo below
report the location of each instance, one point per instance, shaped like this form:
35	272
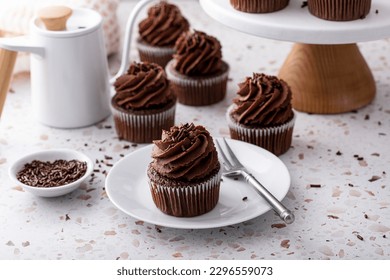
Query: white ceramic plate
128	189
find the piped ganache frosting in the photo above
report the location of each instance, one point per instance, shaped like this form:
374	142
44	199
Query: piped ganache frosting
263	101
197	54
186	153
144	86
163	25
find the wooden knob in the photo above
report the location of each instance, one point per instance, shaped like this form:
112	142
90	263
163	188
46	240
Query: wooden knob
55	17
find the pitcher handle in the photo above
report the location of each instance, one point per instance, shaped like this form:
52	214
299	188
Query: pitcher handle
127	42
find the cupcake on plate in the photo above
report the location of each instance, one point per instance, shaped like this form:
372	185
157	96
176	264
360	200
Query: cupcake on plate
185	173
339	10
262	113
143	104
197	72
159	32
259	6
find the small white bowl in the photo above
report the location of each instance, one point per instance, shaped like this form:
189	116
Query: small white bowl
51	155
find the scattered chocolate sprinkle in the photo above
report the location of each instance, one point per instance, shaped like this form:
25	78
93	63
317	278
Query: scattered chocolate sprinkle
304	4
382	134
333	217
350	185
158	229
355	156
235	178
96	170
245	198
359	237
67	218
315	186
366	117
107	157
126	147
374	178
11	90
51	174
375	154
85	144
134	145
108	126
109	164
366	216
384	236
338	153
377	11
360	158
278	225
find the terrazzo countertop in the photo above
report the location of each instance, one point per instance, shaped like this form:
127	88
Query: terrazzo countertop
339	166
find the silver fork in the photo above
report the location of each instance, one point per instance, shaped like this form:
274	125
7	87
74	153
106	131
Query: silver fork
234	168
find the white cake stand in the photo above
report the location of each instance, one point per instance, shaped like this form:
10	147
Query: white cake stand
325	68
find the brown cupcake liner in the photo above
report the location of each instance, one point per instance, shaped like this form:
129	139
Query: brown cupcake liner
142	128
198	91
259	6
276	139
159	55
187	201
339	10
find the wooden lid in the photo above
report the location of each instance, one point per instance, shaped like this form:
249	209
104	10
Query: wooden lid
55	17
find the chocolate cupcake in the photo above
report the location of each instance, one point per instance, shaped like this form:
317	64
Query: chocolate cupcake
262	113
197	72
185	173
259	6
159	32
339	10
144	103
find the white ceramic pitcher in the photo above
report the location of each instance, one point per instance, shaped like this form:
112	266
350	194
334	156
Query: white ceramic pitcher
70	85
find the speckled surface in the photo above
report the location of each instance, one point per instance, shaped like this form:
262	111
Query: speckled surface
339	165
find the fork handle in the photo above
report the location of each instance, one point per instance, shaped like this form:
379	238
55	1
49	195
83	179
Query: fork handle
286	215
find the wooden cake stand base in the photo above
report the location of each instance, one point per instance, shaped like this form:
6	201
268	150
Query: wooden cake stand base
328	79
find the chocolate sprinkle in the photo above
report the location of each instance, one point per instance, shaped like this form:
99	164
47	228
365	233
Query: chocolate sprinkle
51	174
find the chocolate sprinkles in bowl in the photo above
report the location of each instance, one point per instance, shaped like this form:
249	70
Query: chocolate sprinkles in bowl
51	173
48	174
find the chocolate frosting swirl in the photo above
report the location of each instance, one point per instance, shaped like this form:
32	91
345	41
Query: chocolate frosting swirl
144	86
163	25
197	54
263	101
185	152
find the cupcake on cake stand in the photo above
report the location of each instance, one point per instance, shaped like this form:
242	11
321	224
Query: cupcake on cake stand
325	69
